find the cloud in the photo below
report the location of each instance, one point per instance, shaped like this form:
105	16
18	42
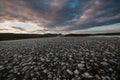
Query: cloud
65	15
108	19
94	8
18	28
3	29
100	29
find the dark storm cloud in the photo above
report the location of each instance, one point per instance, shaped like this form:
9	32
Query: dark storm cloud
77	14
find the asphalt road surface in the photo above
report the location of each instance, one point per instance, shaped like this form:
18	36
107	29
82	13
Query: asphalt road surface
71	58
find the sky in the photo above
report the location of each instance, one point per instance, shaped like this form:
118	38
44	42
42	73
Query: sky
59	16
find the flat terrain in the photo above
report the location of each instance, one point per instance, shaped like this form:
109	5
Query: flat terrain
60	58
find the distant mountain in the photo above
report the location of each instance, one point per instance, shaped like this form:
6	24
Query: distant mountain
11	36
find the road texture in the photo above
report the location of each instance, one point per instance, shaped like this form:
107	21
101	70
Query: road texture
60	58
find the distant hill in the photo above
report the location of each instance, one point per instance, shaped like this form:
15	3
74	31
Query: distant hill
11	36
99	34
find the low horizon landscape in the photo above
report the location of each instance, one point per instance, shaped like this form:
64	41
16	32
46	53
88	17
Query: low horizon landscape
16	36
59	39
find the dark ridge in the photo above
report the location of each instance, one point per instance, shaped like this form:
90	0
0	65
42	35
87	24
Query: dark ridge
11	36
85	35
